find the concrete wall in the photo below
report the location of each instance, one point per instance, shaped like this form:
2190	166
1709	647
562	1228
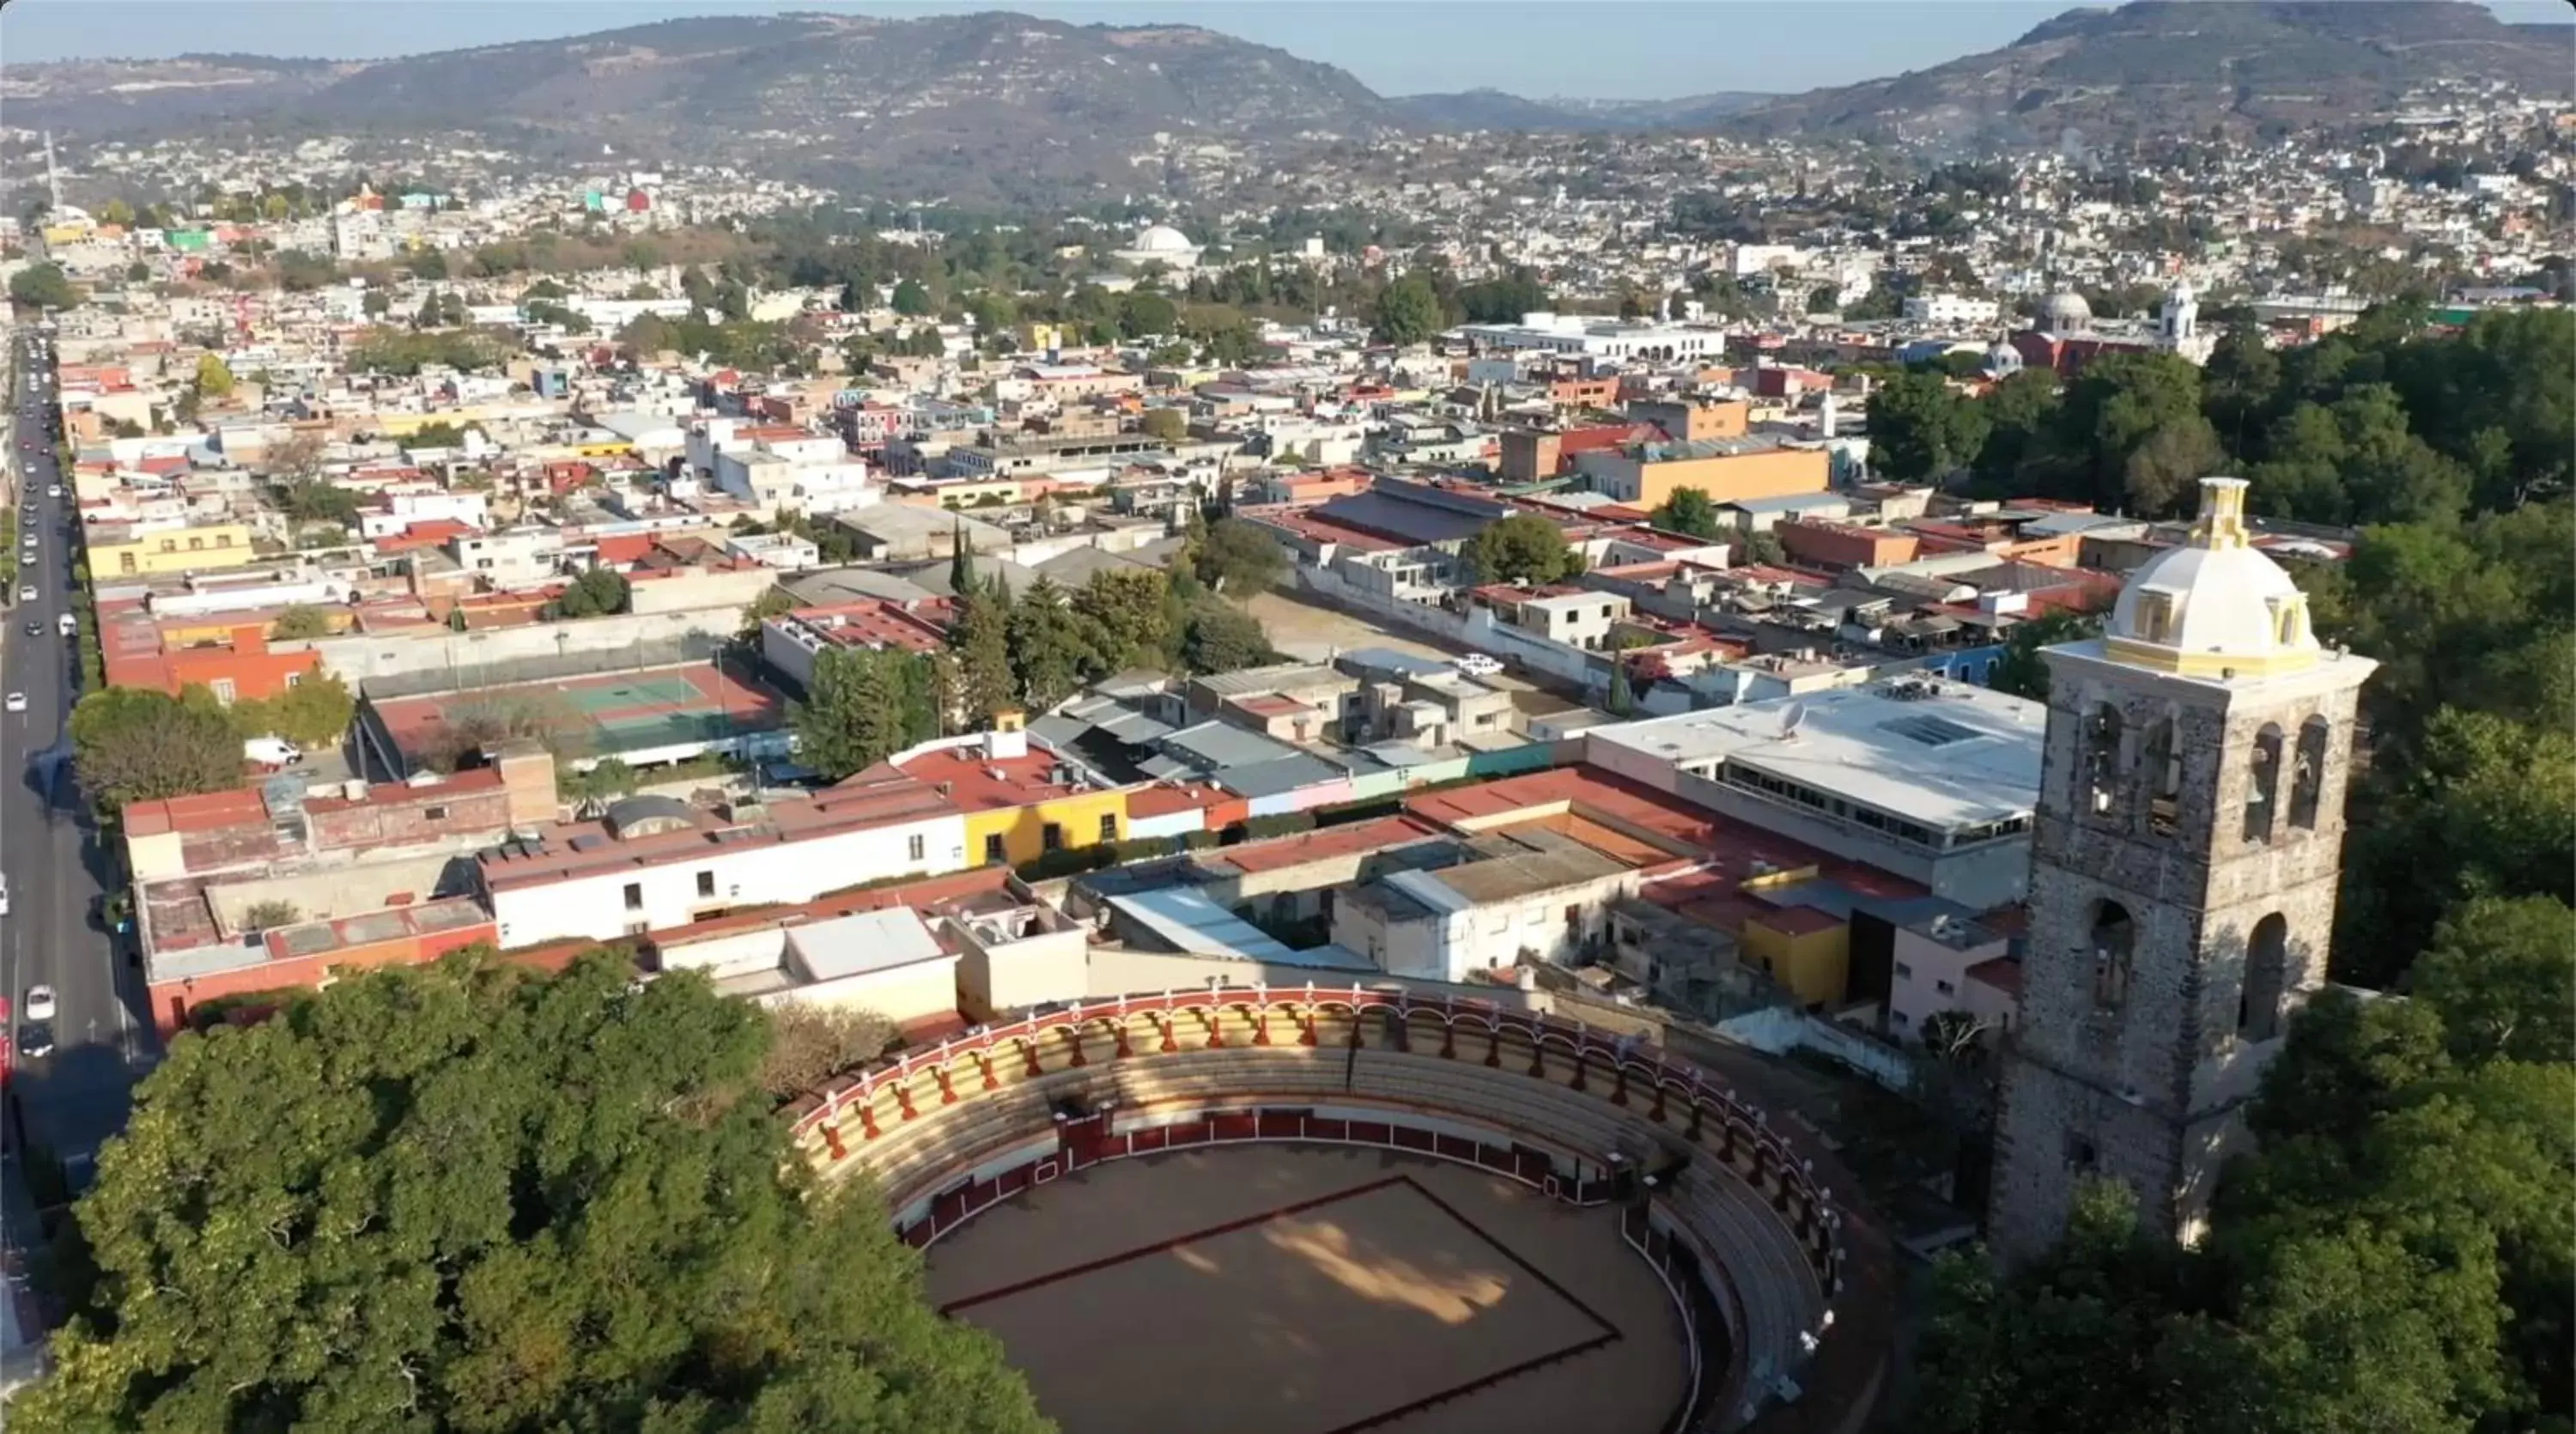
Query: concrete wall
921	991
1014	974
356	659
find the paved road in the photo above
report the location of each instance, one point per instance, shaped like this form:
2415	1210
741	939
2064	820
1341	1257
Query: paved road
72	1100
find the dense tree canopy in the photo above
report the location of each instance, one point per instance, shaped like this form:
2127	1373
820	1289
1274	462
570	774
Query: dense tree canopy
1920	428
1523	548
597	592
43	286
135	744
1408	312
464	1197
2399	1255
1688	512
863	706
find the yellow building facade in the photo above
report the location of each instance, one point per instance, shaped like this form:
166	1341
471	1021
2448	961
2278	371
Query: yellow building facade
173	550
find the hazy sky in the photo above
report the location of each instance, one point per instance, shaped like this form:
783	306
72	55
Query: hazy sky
1610	48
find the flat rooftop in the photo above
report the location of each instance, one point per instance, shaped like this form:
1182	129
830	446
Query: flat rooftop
1945	755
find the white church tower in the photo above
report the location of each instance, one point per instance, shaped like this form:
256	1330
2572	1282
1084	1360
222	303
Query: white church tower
2178	324
2183	878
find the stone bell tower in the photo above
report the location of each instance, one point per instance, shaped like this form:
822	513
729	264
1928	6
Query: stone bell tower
2182	887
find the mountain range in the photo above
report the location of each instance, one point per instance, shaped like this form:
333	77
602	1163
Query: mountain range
989	101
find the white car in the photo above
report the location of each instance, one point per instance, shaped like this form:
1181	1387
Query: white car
1477	664
26	592
17	702
40	1004
53	490
4	895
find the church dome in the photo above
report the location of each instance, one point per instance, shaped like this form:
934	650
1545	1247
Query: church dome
1163	239
2065	309
2214	607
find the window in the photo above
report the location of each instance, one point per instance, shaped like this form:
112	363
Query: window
223	540
2163	773
1945	988
634	896
196	545
2262	784
2267	979
913	849
1109	826
294	679
706	883
1051	838
2308	773
1904	972
2081	1153
2101	758
2114	940
435	814
993	851
223	689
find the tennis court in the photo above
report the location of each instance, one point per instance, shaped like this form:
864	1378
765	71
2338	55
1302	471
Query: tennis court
620	713
1274	1289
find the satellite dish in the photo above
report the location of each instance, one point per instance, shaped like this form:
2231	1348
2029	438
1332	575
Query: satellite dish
1795	713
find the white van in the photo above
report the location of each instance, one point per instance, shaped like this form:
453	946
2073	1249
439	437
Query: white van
66	624
272	751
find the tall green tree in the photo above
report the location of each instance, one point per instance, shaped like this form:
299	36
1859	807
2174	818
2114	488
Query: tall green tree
1688	512
465	1197
979	644
1920	428
2019	669
43	286
2019	412
863	706
2107	415
1050	647
135	744
1407	312
1522	548
1218	637
1131	617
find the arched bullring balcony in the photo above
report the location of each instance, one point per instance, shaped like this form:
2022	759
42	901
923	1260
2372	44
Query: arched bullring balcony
1727	1209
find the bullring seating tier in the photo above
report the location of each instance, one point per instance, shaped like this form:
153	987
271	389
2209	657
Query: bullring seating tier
1769	1237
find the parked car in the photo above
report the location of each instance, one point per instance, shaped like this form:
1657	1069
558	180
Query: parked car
36	1040
14	702
1478	664
40	1003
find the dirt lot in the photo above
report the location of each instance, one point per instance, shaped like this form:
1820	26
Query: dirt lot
1313	634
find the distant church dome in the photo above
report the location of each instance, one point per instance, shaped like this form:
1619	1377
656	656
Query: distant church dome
2065	312
1163	239
2214	607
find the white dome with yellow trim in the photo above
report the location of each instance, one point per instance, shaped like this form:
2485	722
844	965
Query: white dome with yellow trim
2214	607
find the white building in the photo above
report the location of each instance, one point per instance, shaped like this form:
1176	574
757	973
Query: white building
1933	781
654	863
1953	311
1599	338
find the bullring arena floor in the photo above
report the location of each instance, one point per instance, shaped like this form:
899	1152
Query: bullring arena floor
1280	1289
